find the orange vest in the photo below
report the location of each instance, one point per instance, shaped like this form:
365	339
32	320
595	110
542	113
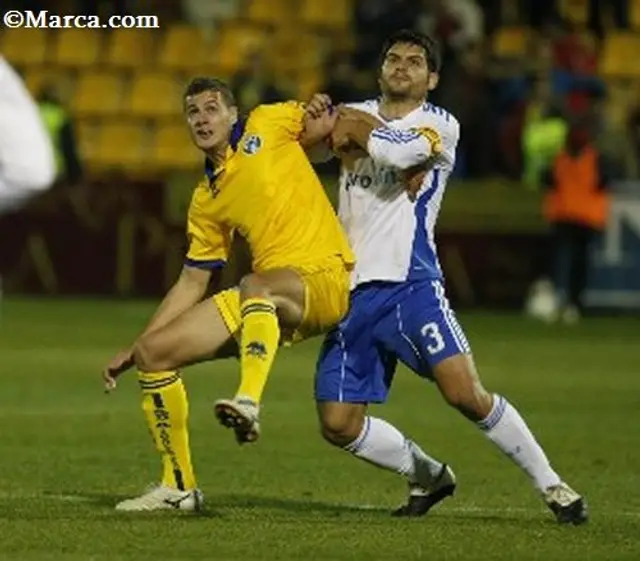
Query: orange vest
577	196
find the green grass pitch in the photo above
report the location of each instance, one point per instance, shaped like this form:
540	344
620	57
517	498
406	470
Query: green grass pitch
68	452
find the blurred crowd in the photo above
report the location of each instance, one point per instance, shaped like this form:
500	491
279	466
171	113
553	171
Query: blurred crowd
525	102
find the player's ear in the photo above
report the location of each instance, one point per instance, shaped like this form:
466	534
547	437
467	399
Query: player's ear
432	82
234	114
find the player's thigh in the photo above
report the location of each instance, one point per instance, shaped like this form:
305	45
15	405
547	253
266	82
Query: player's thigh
198	334
352	369
326	299
424	331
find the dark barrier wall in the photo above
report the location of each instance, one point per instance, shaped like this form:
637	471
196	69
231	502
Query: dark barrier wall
117	238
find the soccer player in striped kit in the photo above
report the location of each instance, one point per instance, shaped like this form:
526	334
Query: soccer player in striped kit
398	309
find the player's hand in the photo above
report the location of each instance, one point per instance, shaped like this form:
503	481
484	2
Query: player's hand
318	104
318	129
351	114
413	180
116	366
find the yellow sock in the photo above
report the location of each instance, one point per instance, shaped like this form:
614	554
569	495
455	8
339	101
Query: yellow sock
165	404
259	341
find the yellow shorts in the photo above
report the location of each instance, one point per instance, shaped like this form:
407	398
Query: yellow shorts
326	300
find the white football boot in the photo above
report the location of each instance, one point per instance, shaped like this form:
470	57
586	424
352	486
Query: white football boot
164	498
568	506
241	415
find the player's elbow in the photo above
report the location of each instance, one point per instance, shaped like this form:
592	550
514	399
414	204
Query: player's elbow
150	356
398	159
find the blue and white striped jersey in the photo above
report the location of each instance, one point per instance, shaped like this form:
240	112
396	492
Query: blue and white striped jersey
393	237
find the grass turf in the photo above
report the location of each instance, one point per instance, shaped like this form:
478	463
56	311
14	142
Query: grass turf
69	452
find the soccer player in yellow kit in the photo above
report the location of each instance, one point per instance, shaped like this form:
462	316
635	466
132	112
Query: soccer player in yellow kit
259	183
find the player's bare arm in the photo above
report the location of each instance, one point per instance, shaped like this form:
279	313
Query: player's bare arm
187	291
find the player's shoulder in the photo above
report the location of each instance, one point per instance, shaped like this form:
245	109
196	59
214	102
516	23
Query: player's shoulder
368	105
434	115
278	110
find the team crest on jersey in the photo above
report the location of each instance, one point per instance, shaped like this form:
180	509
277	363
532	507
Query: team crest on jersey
252	145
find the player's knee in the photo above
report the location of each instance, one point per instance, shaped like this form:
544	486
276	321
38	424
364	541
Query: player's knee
253	286
461	388
340	425
149	355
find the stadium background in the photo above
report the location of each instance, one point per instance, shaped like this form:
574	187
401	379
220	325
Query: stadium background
115	228
123	212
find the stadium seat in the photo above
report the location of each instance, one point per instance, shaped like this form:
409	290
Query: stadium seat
270	12
130	48
98	94
309	83
76	47
154	95
121	145
510	42
619	55
24	47
575	11
293	50
35	77
634	14
184	47
332	14
172	148
235	43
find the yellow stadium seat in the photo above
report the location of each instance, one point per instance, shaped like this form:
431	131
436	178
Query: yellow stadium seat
76	47
172	148
184	47
154	95
130	48
510	42
297	51
24	47
309	83
576	11
235	43
620	51
270	12
98	94
333	14
634	14
86	135
121	145
37	77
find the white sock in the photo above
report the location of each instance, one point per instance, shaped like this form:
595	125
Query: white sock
507	430
383	445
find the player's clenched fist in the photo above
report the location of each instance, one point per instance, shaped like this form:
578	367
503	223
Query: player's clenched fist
317	105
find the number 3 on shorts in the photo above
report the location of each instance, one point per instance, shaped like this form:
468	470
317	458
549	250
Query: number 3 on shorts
432	332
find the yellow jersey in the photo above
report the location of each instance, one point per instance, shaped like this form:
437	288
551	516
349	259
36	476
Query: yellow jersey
267	191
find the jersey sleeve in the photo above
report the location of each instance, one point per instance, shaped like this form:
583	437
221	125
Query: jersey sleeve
208	242
284	119
404	149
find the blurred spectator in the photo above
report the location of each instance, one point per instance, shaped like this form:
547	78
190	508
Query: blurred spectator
618	9
59	124
253	84
374	21
633	135
340	83
208	13
576	206
544	132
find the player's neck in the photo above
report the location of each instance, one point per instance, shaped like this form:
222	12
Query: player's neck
392	109
218	154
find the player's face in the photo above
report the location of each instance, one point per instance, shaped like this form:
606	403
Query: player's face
405	72
210	119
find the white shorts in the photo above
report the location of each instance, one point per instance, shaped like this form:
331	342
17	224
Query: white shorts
27	164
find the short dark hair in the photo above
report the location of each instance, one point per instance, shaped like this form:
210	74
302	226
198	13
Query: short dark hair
431	46
205	84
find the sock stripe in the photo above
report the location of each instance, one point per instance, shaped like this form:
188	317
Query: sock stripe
158	402
357	443
158	384
179	479
258	308
499	407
